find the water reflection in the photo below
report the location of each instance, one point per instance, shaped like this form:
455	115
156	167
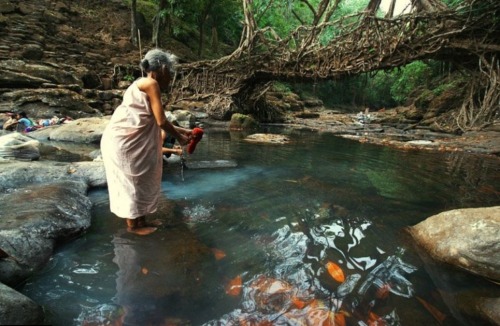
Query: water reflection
157	279
301	286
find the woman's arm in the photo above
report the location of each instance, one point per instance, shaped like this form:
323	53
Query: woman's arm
151	87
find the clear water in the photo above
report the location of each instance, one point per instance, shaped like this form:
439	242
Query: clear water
276	222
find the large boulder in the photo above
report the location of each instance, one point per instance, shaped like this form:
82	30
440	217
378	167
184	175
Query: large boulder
466	238
242	121
85	130
49	72
47	102
17	309
14	174
18	146
33	219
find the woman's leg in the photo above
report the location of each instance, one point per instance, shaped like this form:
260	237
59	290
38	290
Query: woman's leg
141	222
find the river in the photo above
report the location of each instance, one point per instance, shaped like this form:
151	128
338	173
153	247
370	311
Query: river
309	231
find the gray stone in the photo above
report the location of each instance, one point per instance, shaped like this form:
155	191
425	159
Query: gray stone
268	138
18	146
14	174
46	103
33	219
185	118
49	72
85	130
32	52
466	238
16	79
242	121
17	309
490	309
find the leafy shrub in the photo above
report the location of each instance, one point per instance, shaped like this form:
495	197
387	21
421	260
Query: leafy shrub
410	77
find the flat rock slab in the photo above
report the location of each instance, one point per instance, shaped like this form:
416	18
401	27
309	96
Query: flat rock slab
268	138
217	164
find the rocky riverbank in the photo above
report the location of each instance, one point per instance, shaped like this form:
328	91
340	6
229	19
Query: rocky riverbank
389	128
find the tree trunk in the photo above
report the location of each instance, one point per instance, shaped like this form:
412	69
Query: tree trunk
373	6
159	22
390	11
201	32
215	40
133	25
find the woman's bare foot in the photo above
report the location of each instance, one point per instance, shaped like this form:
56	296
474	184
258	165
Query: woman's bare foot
141	230
137	226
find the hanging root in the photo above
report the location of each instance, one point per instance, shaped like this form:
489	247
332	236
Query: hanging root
482	103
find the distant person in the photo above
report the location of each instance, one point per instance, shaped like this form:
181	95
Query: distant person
131	144
11	123
24	123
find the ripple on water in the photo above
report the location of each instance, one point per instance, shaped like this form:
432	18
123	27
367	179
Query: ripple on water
198	214
300	289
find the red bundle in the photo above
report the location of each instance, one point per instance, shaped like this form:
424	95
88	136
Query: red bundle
196	136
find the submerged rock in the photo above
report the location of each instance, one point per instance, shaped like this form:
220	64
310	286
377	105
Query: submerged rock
268	138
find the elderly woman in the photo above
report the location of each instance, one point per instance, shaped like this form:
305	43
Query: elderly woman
131	144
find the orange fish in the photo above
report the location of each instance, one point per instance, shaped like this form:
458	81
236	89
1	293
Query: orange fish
219	254
234	286
144	271
375	320
438	315
300	304
383	291
339	319
320	316
335	271
244	322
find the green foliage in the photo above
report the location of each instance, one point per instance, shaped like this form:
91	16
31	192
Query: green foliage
380	89
377	93
129	78
453	3
146	7
282	87
409	78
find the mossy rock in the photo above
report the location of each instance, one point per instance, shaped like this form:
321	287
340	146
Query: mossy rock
242	121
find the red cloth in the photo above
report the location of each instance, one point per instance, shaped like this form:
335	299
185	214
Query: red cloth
197	134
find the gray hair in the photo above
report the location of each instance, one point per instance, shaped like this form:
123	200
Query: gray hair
156	58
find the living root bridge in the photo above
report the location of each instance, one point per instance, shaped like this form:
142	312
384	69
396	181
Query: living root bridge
464	35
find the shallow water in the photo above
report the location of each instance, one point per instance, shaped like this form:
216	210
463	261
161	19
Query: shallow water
278	221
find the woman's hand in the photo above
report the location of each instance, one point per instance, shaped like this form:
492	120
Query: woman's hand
185	134
183	139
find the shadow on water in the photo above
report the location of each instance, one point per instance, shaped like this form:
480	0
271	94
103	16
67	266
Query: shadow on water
305	233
